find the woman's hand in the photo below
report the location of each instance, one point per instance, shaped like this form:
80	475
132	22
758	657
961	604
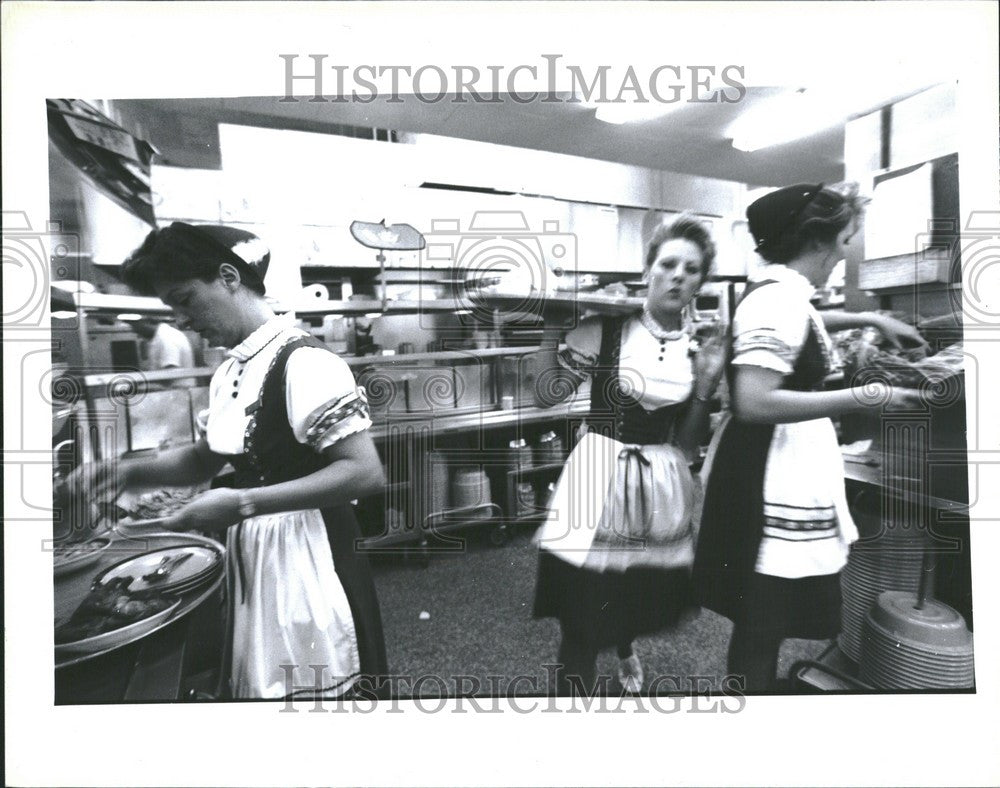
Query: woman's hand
709	363
905	399
885	395
96	482
214	510
899	334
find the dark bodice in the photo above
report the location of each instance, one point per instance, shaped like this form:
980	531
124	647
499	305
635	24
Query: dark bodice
271	452
610	404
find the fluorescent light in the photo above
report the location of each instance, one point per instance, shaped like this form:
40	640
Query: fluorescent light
784	118
63	314
127	317
634	112
801	113
71	286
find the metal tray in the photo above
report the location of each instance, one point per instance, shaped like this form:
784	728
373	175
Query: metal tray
562	303
70	591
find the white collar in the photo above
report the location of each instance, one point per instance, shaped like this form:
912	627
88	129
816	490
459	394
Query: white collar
785	275
647	321
254	343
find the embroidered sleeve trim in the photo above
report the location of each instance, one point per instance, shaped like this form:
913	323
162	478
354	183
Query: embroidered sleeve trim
336	413
760	340
799	525
342	430
578	364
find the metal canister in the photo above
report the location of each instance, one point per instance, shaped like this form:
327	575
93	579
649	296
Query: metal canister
520	454
549	449
524	494
471	487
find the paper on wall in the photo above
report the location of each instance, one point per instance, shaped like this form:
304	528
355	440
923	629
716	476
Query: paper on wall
897	218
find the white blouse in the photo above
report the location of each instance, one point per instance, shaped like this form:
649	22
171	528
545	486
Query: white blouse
807	524
772	323
657	372
324	402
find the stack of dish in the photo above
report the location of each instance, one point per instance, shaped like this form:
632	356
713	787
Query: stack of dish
890	561
909	648
184	569
70	557
134	597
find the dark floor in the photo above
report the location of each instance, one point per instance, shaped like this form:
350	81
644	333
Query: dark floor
479	624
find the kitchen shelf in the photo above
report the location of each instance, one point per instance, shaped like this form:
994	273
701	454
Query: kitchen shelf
511	492
158	376
458	518
533	469
565	302
927	287
103	302
527	518
442	355
167	375
867	470
112	303
484	419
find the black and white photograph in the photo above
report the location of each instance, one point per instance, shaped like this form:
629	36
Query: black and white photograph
416	360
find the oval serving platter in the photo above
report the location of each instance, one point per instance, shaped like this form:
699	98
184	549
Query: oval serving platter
71	557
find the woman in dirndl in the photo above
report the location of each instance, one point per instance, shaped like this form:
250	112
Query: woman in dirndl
287	414
616	550
775	528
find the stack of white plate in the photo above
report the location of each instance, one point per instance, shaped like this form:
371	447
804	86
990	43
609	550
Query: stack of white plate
907	648
889	562
199	567
69	557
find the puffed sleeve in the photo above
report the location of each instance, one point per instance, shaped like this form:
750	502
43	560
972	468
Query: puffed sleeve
583	346
325	403
769	328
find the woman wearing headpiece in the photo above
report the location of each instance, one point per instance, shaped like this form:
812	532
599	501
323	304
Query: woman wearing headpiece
616	550
775	528
287	414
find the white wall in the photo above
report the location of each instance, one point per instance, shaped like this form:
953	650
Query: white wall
301	190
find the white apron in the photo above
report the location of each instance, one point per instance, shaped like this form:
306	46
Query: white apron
294	614
620	505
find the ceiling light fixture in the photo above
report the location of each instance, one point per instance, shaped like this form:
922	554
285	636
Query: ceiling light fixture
634	112
630	110
803	112
784	118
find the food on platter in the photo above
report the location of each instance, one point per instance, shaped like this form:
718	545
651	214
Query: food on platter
159	504
70	552
866	352
108	607
68	557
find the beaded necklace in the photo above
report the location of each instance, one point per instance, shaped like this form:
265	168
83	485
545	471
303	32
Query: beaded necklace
653	327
